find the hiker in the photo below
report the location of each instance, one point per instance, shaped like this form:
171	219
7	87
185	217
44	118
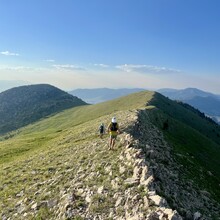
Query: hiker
113	130
101	130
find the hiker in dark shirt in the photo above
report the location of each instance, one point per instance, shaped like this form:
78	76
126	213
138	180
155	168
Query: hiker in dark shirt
113	129
101	130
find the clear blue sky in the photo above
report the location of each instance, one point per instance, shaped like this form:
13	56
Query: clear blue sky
112	43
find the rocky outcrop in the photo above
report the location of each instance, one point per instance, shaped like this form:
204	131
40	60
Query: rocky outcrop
140	179
142	202
166	175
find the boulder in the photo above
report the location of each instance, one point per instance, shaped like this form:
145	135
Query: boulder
159	201
131	181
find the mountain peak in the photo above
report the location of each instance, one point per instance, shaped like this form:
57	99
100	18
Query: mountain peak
165	163
25	104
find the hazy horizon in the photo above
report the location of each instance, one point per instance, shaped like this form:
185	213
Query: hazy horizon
117	44
13	83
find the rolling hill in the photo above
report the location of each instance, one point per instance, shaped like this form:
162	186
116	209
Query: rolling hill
186	94
23	105
204	101
166	159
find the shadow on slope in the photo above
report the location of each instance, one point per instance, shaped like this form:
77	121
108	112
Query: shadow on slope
195	139
59	148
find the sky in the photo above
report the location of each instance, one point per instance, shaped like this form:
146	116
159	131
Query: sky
148	44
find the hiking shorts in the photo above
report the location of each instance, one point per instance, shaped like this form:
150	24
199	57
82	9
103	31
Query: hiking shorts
113	135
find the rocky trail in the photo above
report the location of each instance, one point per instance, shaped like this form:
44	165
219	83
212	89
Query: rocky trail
79	178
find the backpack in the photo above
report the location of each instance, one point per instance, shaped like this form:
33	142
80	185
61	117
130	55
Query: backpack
114	127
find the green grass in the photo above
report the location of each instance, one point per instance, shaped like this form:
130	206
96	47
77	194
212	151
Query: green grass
186	116
56	148
61	147
38	135
192	137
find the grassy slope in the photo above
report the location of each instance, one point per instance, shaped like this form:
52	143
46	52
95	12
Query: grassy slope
58	145
23	105
49	143
39	135
187	131
196	142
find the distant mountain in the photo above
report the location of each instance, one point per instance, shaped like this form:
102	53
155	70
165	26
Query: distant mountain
206	102
166	158
8	84
25	104
94	96
186	94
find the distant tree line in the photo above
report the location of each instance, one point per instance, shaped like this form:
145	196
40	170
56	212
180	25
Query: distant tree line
196	111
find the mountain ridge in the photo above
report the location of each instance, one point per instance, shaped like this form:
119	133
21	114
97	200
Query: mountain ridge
25	104
206	102
185	94
69	173
197	98
98	95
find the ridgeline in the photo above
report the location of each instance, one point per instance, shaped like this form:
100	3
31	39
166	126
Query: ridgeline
23	105
165	164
